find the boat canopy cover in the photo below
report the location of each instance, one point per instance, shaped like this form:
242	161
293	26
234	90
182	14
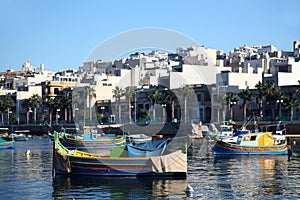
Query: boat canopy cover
266	140
174	162
147	149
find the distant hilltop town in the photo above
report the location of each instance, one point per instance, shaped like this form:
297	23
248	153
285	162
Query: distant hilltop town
259	81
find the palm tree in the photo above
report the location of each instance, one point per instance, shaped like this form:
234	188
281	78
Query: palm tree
171	97
130	96
298	88
57	107
269	90
51	104
154	96
261	87
35	101
165	100
291	103
27	105
231	99
2	109
117	94
246	96
75	103
279	96
90	91
9	103
66	103
185	90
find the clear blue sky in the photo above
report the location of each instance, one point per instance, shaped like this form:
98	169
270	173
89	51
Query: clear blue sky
61	34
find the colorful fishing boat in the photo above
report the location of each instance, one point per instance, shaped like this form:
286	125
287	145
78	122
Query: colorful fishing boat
6	145
253	143
88	144
77	162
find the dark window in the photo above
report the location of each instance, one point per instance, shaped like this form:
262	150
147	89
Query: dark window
253	138
56	90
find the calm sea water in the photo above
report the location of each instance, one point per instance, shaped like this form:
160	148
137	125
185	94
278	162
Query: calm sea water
231	177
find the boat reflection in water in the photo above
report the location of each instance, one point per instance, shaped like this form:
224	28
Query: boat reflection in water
70	187
254	169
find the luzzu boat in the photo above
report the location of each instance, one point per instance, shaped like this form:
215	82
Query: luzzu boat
92	144
253	143
118	163
6	145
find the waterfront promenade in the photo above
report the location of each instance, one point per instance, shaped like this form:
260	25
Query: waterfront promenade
292	128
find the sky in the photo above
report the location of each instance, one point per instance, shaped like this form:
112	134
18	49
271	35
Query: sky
62	33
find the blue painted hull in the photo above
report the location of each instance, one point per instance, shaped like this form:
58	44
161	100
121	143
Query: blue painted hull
7	145
107	166
222	148
89	145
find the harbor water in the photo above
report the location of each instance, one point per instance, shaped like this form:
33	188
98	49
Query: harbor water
28	176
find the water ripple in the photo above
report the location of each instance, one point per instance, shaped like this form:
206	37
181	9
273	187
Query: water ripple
212	177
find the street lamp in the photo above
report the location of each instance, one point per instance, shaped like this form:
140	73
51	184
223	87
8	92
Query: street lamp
279	101
135	102
231	104
130	115
164	110
8	116
57	116
102	112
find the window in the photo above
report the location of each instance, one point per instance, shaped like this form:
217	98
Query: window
246	138
253	138
199	97
56	90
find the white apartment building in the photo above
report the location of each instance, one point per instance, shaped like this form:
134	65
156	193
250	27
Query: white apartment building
193	75
239	79
199	55
31	80
287	72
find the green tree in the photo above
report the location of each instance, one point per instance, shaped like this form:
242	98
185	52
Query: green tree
246	96
269	90
165	100
172	97
75	103
298	88
261	87
9	103
231	99
154	96
185	90
2	109
66	104
289	104
279	96
130	96
118	93
35	102
142	114
91	93
27	105
53	104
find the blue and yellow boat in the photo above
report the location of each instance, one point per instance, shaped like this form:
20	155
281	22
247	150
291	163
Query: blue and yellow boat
253	143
